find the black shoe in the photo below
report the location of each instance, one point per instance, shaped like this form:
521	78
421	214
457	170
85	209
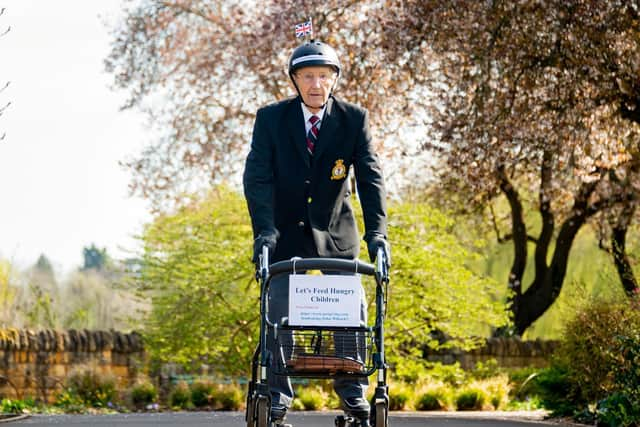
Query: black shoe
278	414
357	407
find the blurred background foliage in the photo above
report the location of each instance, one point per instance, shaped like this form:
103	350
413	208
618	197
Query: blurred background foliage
95	296
205	300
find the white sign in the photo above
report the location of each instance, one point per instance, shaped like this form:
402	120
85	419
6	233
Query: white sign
327	300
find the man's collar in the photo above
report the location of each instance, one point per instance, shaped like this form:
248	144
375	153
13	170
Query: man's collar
307	114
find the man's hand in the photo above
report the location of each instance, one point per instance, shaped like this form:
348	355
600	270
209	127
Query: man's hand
269	240
378	241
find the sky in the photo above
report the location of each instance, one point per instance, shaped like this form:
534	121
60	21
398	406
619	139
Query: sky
60	182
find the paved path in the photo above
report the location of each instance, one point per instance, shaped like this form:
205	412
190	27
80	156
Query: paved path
298	419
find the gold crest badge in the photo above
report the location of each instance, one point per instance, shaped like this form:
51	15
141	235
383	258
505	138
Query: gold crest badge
339	170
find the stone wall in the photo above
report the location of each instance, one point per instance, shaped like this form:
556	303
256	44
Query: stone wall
508	352
35	364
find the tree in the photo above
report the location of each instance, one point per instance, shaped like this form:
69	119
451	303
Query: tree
534	99
433	293
89	300
43	267
196	271
205	309
41	296
201	69
95	258
8	293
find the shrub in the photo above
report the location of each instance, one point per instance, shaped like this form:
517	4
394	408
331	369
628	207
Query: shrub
618	410
432	400
554	389
589	351
202	393
398	398
450	374
297	405
626	373
528	404
312	398
534	388
17	406
488	369
470	399
229	398
92	388
333	400
497	389
143	393
410	370
622	408
180	396
522	382
69	402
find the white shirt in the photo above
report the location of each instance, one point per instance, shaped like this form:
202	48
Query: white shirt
307	115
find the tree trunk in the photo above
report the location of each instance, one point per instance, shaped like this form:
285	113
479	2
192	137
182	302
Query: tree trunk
519	238
547	283
618	250
549	278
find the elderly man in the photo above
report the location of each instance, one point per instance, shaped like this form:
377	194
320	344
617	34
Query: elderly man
297	191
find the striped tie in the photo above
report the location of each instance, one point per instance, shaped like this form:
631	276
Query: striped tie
312	136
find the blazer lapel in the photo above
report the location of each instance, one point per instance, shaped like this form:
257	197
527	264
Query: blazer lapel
295	124
328	128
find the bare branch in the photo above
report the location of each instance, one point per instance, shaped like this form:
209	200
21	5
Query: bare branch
2	109
8	28
495	223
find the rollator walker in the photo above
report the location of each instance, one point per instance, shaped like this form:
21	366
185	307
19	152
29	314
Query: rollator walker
324	352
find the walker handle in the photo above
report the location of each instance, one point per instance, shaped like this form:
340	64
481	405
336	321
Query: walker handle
264	262
382	265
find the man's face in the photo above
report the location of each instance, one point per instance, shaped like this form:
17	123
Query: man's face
315	85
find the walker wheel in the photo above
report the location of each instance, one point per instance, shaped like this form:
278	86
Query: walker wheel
263	413
381	415
250	415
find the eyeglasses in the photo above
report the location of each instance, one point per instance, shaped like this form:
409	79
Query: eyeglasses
310	78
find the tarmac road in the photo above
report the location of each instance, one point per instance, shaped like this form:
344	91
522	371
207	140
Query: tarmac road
297	419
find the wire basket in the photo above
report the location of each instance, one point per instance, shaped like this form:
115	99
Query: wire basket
325	353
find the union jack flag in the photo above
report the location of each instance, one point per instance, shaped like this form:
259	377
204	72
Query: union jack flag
304	29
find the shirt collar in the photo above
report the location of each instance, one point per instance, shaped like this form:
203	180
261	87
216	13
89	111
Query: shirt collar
307	114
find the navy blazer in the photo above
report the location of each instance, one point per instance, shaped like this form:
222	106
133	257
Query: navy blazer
288	191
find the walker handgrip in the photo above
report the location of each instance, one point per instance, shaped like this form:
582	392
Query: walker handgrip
331	264
382	264
264	262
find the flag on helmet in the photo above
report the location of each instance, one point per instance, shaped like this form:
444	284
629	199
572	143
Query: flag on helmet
304	29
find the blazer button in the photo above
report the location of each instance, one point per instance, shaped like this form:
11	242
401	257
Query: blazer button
301	224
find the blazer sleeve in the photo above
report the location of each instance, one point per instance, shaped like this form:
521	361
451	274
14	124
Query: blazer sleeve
370	182
258	178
